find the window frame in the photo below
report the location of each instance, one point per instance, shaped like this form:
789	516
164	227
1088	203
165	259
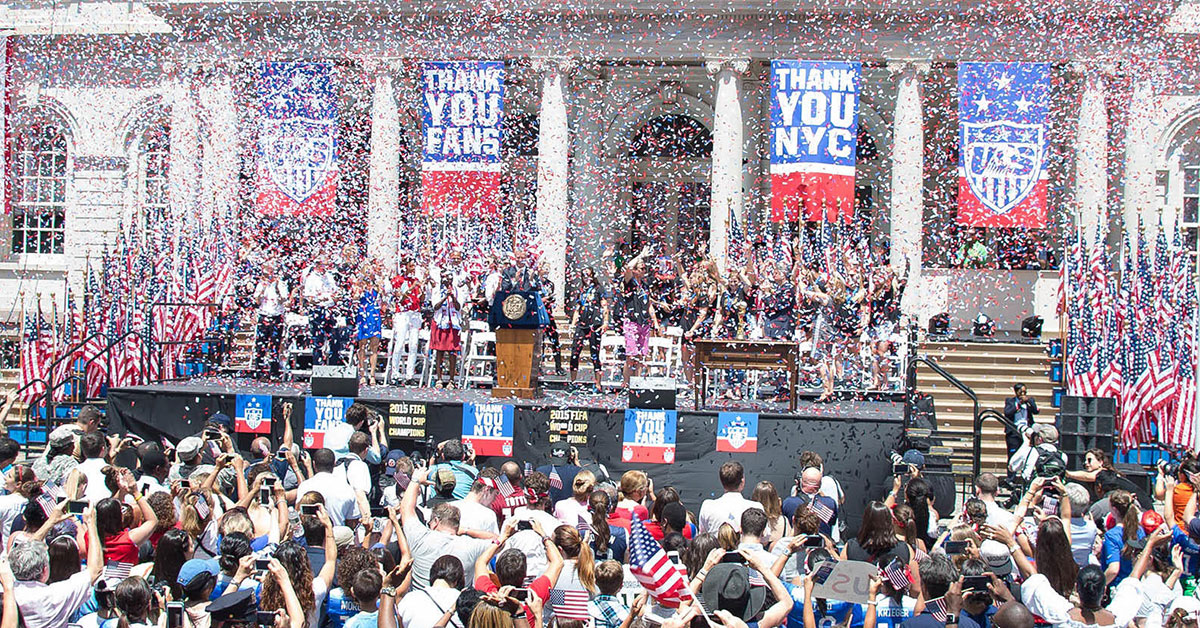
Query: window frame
49	186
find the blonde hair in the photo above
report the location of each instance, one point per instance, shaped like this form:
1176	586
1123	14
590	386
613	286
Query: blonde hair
728	538
765	494
583	484
191	521
568	540
488	615
632	481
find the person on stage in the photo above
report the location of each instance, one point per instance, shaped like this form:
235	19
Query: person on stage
779	316
520	275
271	295
700	306
550	330
444	333
344	304
320	288
639	316
407	294
589	321
367	320
732	321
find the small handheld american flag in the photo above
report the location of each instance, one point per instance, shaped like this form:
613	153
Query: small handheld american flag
823	512
937	607
897	574
116	570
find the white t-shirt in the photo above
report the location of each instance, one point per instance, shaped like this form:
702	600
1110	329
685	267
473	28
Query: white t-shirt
727	508
339	497
1083	536
422	608
320	592
528	542
428	545
475	516
355	473
1044	601
997	516
92	470
270	296
569	511
10	506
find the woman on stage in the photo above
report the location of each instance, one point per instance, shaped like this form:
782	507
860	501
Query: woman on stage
589	322
444	338
271	296
700	307
779	316
368	321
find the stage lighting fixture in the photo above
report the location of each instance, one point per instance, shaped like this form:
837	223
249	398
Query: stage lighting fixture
983	326
1031	327
939	325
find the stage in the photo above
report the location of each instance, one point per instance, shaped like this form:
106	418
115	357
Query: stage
852	436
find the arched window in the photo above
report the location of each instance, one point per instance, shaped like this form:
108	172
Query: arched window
39	190
154	156
672	136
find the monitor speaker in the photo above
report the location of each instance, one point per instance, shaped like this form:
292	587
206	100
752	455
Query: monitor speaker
335	381
652	393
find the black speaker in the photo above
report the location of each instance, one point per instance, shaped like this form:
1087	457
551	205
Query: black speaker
922	429
652	393
939	324
334	381
1031	327
1086	423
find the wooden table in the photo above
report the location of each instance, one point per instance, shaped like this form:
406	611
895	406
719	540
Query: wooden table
754	355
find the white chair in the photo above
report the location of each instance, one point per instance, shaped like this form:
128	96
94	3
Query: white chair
675	334
612	365
479	367
659	360
425	357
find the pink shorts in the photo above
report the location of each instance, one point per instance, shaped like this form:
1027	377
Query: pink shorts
637	339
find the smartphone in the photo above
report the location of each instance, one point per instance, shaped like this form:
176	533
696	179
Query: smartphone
1050	506
262	564
976	583
955	548
900	468
174	614
524	524
519	594
186	484
76	507
308	509
814	540
733	557
270	480
264	495
281	454
266	618
377	523
674	556
212	435
145	488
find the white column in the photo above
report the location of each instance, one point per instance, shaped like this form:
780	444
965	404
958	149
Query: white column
728	137
1091	153
908	176
553	181
1140	168
219	163
184	170
383	192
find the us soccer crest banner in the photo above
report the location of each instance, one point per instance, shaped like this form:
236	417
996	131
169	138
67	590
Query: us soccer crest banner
737	432
814	139
252	414
649	436
488	428
1003	144
462	109
297	141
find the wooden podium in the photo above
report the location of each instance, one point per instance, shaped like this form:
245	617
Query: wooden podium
518	317
517	363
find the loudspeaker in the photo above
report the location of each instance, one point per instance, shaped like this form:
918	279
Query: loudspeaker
1086	423
1031	327
923	427
652	393
334	381
939	324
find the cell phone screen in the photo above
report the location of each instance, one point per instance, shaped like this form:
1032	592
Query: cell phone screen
262	564
76	507
899	469
955	548
814	540
264	495
308	509
520	594
976	583
266	618
174	614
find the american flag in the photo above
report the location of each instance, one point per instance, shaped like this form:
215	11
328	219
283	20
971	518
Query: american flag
555	478
584	526
47	502
653	569
505	487
569	604
201	506
897	574
1162	361
116	570
937	607
33	365
823	512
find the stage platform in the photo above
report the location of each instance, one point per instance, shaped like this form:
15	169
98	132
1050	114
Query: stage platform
853	436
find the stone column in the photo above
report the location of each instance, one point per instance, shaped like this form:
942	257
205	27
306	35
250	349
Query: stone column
184	168
908	175
383	188
728	139
1139	196
553	180
1091	152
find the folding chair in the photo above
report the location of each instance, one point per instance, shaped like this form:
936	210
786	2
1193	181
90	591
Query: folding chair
612	362
659	357
479	367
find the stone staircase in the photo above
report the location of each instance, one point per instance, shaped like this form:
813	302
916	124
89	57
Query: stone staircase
990	369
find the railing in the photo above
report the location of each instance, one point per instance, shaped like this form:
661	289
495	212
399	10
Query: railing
911	388
29	409
159	344
106	352
977	445
69	354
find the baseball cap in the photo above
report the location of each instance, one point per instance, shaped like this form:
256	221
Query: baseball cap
221	419
996	555
188	448
342	536
62	435
915	458
1152	520
194	568
558	453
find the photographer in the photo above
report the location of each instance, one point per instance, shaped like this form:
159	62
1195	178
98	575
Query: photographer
1039	455
1020	409
1186	474
456	456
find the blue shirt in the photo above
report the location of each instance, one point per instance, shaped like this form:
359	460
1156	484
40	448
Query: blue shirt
464	477
927	620
835	611
339	608
363	620
1191	551
1114	542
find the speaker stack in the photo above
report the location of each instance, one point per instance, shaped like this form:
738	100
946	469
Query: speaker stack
334	381
1086	423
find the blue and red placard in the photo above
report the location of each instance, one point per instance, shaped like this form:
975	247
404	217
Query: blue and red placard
814	139
297	141
737	432
462	114
488	428
252	414
1003	144
649	436
320	414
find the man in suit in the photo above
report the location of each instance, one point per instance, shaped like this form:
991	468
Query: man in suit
520	275
1019	409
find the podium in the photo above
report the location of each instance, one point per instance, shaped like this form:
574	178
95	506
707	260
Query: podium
518	318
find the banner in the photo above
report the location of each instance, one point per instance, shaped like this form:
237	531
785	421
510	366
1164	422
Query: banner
569	426
488	428
737	432
407	420
1003	144
252	414
297	141
649	436
6	45
462	105
814	139
320	414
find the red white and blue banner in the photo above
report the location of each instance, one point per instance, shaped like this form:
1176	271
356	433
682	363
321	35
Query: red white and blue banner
649	436
1003	143
462	113
488	428
252	414
297	141
321	414
737	432
814	139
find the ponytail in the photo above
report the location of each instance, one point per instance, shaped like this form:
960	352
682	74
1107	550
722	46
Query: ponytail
27	483
586	567
571	544
1122	502
917	495
601	535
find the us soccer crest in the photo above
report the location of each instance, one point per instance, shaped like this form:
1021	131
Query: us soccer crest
1003	161
737	432
298	154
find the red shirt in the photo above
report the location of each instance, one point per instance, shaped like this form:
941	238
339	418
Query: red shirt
504	507
411	301
120	548
540	586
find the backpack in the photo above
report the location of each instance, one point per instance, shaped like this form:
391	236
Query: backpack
375	493
1049	463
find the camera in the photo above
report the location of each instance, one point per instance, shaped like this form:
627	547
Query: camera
1169	468
524	524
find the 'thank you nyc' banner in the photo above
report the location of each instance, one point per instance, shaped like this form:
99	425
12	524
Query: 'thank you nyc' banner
814	139
297	142
1003	144
462	121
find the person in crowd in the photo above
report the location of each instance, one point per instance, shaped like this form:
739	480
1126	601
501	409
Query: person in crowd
809	494
475	510
729	507
424	608
319	293
271	297
51	605
576	584
368	319
574	509
1019	409
608	541
119	540
778	525
877	541
57	461
1038	454
986	487
590	320
699	310
606	609
406	299
1083	529
455	456
444	335
1117	560
341	502
440	537
563	465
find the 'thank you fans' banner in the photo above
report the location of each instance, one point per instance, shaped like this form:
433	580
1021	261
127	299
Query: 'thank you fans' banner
649	436
1003	144
297	141
462	115
814	139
